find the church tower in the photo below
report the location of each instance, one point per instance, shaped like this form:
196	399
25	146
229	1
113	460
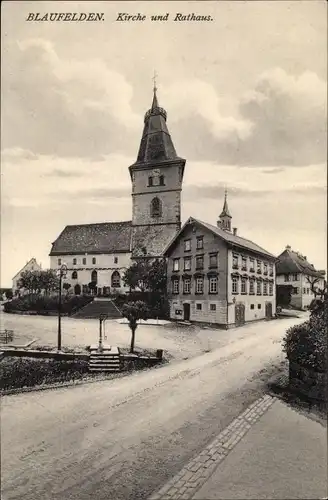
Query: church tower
156	177
224	221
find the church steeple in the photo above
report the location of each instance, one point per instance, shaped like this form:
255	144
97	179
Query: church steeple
156	143
225	216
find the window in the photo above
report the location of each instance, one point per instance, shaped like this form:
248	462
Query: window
243	286
161	180
304	290
116	279
74	275
213	284
235	261
212	307
265	268
150	181
200	262
286	277
259	288
94	276
187	264
265	288
251	287
259	306
59	262
244	263
176	263
94	260
186	285
156	207
235	284
187	245
213	260
115	260
271	288
307	291
199	307
271	269
199	285
294	291
259	266
295	277
175	286
74	261
200	242
251	264
252	306
84	260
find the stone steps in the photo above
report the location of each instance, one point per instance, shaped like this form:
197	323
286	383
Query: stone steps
108	360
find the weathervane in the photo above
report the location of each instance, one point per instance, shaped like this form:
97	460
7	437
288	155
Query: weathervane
154	80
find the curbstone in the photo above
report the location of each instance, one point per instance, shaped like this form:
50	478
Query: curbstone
191	478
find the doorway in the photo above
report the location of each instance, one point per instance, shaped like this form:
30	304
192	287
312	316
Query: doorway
77	290
186	312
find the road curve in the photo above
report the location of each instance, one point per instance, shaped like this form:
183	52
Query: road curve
122	439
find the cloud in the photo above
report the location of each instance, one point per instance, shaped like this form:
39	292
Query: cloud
281	121
64	107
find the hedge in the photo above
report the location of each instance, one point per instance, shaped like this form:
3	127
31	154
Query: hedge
306	343
43	303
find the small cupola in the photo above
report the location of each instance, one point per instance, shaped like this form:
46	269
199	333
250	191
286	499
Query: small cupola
224	221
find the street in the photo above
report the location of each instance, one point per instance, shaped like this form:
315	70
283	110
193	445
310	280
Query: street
124	438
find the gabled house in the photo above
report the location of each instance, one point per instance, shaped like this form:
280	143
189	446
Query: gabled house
31	265
216	276
293	269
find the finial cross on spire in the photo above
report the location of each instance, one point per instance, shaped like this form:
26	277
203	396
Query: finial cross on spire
154	80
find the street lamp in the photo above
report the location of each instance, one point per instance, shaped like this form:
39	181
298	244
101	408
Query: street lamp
61	273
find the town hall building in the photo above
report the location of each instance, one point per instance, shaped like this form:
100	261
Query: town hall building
216	276
101	253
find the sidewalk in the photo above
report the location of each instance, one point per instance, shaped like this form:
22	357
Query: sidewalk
269	452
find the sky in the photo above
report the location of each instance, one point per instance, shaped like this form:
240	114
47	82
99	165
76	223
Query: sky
246	98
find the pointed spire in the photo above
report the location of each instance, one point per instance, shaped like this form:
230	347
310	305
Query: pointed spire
155	101
224	221
225	210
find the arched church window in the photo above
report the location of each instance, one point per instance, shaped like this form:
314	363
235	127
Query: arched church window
156	207
150	181
161	180
74	275
94	276
116	279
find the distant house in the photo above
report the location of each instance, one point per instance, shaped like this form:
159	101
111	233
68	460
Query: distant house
293	269
218	277
31	265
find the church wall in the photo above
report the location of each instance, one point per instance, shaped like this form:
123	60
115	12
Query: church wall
105	266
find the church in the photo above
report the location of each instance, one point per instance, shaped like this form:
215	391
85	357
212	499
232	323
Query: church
100	253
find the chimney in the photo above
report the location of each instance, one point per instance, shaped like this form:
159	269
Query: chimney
234	231
288	247
304	257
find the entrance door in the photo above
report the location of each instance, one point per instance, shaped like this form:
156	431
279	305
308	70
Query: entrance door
239	314
186	312
77	290
268	310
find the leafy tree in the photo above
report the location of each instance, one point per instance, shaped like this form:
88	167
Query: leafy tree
133	312
66	286
92	286
146	275
284	295
49	280
36	281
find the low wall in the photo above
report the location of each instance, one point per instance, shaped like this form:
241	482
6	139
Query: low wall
131	362
30	353
308	382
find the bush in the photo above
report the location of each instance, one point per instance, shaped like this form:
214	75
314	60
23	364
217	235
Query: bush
45	304
306	343
157	304
28	372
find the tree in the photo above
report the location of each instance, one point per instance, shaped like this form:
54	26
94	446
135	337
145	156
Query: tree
66	286
36	281
146	275
92	286
318	292
284	295
133	312
49	280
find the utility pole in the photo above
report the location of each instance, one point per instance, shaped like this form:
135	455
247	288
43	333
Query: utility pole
61	272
